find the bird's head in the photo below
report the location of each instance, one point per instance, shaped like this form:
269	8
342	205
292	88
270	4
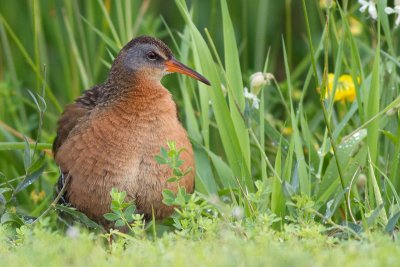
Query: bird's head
150	59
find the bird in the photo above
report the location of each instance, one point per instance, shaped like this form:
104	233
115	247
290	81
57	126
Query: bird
109	137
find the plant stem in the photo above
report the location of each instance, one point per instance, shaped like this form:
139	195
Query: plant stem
55	201
335	153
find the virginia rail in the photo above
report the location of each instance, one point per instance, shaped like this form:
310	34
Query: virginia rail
111	134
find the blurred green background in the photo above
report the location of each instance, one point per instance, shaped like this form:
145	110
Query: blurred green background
281	152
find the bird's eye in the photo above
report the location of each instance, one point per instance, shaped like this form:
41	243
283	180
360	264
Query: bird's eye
152	56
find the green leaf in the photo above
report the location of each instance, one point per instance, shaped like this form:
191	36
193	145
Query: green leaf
226	127
172	179
377	191
79	216
35	100
390	136
304	181
119	223
21	146
114	193
205	181
168	197
345	152
392	223
29	179
224	172
119	213
160	160
111	216
164	152
375	215
179	163
115	205
181	197
277	196
11	218
3	200
110	23
129	212
121	197
178	172
188	170
372	101
234	82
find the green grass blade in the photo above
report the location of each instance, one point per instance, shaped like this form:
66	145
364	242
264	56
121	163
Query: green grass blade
21	146
225	125
234	81
277	196
77	55
305	183
110	23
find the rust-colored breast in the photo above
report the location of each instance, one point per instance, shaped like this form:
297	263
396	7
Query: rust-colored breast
115	146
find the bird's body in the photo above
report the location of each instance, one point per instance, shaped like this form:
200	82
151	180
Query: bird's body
110	136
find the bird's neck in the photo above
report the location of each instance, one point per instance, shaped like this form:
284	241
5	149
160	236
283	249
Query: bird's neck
138	95
119	88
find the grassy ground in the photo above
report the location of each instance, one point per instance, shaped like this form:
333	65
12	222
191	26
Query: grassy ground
258	247
297	164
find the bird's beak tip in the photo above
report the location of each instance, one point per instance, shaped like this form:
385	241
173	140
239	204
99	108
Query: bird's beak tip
207	82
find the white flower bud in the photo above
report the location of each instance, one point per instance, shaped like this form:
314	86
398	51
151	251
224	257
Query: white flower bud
259	79
362	179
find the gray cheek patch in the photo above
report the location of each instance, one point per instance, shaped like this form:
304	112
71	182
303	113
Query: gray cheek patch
132	61
135	59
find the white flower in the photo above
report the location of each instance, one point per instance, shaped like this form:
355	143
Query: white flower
370	4
256	103
252	97
73	232
238	213
394	10
259	79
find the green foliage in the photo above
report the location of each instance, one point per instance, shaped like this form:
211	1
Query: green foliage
171	158
193	216
254	245
123	213
302	163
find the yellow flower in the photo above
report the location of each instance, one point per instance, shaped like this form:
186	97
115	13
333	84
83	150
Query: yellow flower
355	26
37	196
345	89
287	131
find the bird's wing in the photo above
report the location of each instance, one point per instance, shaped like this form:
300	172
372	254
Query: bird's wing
72	115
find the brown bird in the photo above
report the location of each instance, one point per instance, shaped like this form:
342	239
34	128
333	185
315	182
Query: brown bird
110	136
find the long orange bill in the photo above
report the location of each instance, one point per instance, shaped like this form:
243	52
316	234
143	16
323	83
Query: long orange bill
174	65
